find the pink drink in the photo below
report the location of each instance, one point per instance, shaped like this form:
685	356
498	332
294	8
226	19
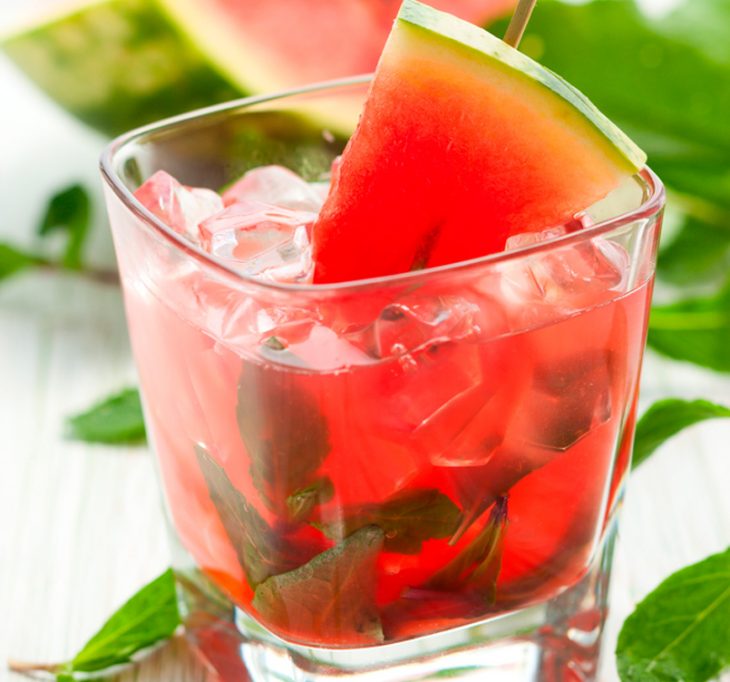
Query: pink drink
356	465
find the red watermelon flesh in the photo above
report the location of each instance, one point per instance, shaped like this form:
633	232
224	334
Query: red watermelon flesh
283	43
463	142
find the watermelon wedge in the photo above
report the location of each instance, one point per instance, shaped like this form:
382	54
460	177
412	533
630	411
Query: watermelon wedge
117	64
463	142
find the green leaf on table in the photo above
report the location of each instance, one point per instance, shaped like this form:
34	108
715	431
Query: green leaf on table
284	432
666	418
681	631
476	568
13	260
698	254
116	420
69	211
694	330
407	519
333	595
149	618
261	551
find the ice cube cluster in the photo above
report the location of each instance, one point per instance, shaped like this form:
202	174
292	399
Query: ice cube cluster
260	226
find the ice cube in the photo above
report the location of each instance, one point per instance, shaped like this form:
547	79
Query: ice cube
303	343
523	239
543	287
414	322
261	240
180	208
247	228
418	387
275	185
569	397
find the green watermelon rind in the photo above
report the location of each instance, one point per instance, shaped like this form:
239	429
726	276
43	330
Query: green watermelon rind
480	45
117	64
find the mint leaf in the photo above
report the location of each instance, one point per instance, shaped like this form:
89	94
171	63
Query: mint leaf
283	429
148	618
666	418
695	330
302	502
261	550
116	420
13	260
477	567
698	254
681	631
69	211
332	596
407	519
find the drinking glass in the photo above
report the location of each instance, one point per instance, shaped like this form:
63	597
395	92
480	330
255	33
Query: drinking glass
404	478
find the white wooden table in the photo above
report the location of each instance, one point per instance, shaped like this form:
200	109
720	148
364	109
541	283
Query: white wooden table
81	527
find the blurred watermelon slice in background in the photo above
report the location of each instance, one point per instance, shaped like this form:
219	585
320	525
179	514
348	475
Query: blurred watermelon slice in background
118	64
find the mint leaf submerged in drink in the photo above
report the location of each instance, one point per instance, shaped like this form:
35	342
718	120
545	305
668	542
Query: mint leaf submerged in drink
333	595
261	550
285	433
407	520
301	503
476	568
681	631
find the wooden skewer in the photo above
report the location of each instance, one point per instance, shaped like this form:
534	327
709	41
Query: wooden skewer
519	20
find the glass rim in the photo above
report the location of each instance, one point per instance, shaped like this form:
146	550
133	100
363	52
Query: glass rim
649	207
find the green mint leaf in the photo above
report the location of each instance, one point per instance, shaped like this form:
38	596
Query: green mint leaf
407	519
70	211
695	330
663	88
261	550
149	617
13	260
114	421
283	429
476	568
681	631
698	254
302	502
666	418
333	595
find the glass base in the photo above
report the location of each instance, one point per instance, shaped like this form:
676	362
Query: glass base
554	641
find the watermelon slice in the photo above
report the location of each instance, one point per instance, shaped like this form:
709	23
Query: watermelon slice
117	64
463	142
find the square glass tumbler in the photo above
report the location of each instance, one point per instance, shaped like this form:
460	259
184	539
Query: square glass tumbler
405	478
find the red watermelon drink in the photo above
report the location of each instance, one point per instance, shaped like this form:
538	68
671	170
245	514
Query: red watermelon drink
392	417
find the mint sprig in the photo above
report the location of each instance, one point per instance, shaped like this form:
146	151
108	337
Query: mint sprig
285	433
668	417
333	595
68	212
694	329
476	568
407	519
116	420
261	550
681	631
148	618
